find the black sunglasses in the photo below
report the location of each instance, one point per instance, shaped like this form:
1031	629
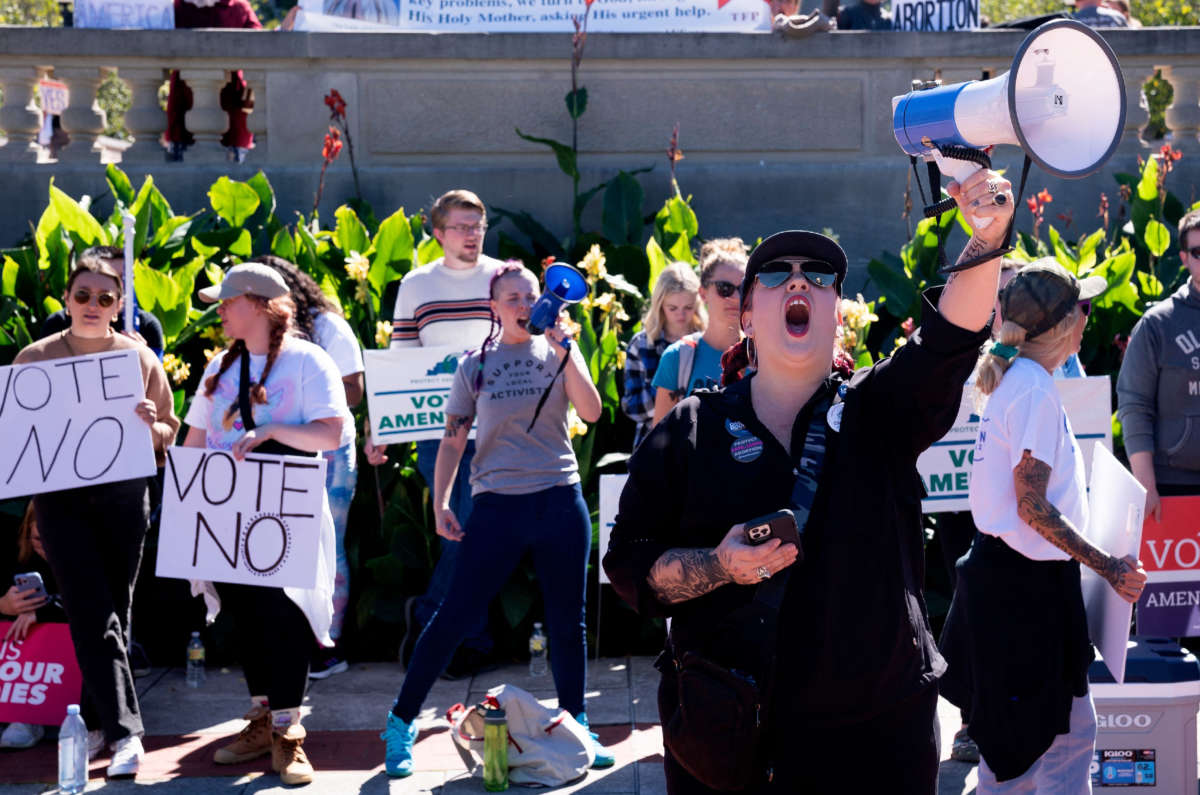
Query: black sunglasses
1194	251
725	289
104	298
776	272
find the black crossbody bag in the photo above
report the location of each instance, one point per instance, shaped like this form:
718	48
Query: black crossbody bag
269	446
717	730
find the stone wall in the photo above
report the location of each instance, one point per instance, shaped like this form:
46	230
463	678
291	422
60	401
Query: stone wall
777	133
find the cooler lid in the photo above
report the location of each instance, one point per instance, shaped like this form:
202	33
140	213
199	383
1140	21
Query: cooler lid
1152	660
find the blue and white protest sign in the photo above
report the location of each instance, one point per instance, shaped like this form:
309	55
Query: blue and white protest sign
71	422
129	14
407	390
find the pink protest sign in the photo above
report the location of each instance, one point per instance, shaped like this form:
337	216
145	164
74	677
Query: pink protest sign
39	676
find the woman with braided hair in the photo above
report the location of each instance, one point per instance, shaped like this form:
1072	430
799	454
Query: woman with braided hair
527	497
272	392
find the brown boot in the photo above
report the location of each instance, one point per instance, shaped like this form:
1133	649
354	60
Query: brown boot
253	742
288	758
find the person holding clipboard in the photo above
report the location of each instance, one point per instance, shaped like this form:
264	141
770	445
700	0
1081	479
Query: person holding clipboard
93	535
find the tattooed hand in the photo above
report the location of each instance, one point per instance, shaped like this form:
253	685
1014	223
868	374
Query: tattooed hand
1126	576
683	574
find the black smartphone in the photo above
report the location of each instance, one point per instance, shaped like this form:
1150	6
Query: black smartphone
781	525
30	581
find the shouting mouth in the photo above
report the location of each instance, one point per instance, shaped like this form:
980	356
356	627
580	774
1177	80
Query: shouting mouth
523	322
796	314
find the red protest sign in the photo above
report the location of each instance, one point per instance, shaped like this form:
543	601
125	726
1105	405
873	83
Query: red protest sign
1171	548
39	676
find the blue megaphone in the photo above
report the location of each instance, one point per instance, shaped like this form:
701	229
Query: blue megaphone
564	285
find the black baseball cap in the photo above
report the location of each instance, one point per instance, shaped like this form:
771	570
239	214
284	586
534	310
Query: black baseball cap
1043	293
795	243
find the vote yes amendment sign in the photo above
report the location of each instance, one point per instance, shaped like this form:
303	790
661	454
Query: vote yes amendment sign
407	390
256	521
946	466
66	423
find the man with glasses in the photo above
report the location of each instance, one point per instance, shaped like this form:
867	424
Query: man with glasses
1158	390
446	303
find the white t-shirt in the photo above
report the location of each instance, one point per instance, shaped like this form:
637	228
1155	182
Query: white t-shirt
1026	413
303	385
335	336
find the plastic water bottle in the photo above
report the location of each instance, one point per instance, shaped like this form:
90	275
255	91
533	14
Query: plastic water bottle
495	750
72	753
537	651
195	661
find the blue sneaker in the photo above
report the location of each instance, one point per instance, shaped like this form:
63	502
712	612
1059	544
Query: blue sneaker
602	757
399	736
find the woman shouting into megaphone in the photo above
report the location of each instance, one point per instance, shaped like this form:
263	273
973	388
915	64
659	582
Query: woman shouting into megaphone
527	497
814	630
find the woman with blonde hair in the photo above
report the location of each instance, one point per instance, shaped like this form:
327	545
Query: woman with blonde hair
674	312
1016	638
272	392
681	372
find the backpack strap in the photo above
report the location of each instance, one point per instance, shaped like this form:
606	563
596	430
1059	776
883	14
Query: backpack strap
687	364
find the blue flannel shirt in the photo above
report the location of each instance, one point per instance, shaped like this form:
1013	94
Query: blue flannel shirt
641	362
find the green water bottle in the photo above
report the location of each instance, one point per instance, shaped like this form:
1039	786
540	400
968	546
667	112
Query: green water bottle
495	750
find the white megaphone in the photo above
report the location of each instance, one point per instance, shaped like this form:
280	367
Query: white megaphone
1063	102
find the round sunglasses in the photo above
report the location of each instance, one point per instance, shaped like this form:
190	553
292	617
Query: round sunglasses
724	289
817	272
104	298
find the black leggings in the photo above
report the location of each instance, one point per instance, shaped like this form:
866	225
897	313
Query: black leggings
93	538
275	638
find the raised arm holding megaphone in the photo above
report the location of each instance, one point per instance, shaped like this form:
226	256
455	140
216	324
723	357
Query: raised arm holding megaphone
1062	102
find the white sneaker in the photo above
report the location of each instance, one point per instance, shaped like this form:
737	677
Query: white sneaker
95	743
22	735
127	756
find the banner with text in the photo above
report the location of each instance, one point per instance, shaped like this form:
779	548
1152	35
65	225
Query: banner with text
256	521
39	676
134	14
1170	605
549	16
66	423
946	466
407	390
935	15
611	487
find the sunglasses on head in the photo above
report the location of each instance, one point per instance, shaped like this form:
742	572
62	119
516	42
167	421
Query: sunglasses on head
104	298
776	272
725	289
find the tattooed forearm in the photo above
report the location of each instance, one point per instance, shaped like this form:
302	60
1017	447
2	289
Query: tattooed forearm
974	248
683	574
1031	477
455	424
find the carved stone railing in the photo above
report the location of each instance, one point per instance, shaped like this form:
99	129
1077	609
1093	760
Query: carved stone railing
776	132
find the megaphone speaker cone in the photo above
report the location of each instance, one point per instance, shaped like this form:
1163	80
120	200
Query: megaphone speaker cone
1066	98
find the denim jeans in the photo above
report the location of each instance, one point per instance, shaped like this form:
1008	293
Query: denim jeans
554	527
1065	767
341	476
477	636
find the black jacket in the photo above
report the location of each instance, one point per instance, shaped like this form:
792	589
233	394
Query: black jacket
854	635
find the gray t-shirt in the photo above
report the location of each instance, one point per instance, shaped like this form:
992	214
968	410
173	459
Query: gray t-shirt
509	459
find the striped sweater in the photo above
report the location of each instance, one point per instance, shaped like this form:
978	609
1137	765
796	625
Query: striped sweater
438	306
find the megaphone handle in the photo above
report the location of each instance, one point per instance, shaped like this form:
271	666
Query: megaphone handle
959	171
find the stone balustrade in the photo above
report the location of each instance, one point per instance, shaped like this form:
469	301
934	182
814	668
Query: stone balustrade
776	132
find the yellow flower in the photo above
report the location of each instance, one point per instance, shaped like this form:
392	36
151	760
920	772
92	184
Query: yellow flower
587	303
605	303
856	314
575	426
357	266
209	353
572	327
362	293
214	333
593	263
176	368
901	340
621	359
383	333
619	314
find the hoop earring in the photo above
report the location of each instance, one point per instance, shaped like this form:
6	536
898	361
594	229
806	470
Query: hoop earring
752	352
